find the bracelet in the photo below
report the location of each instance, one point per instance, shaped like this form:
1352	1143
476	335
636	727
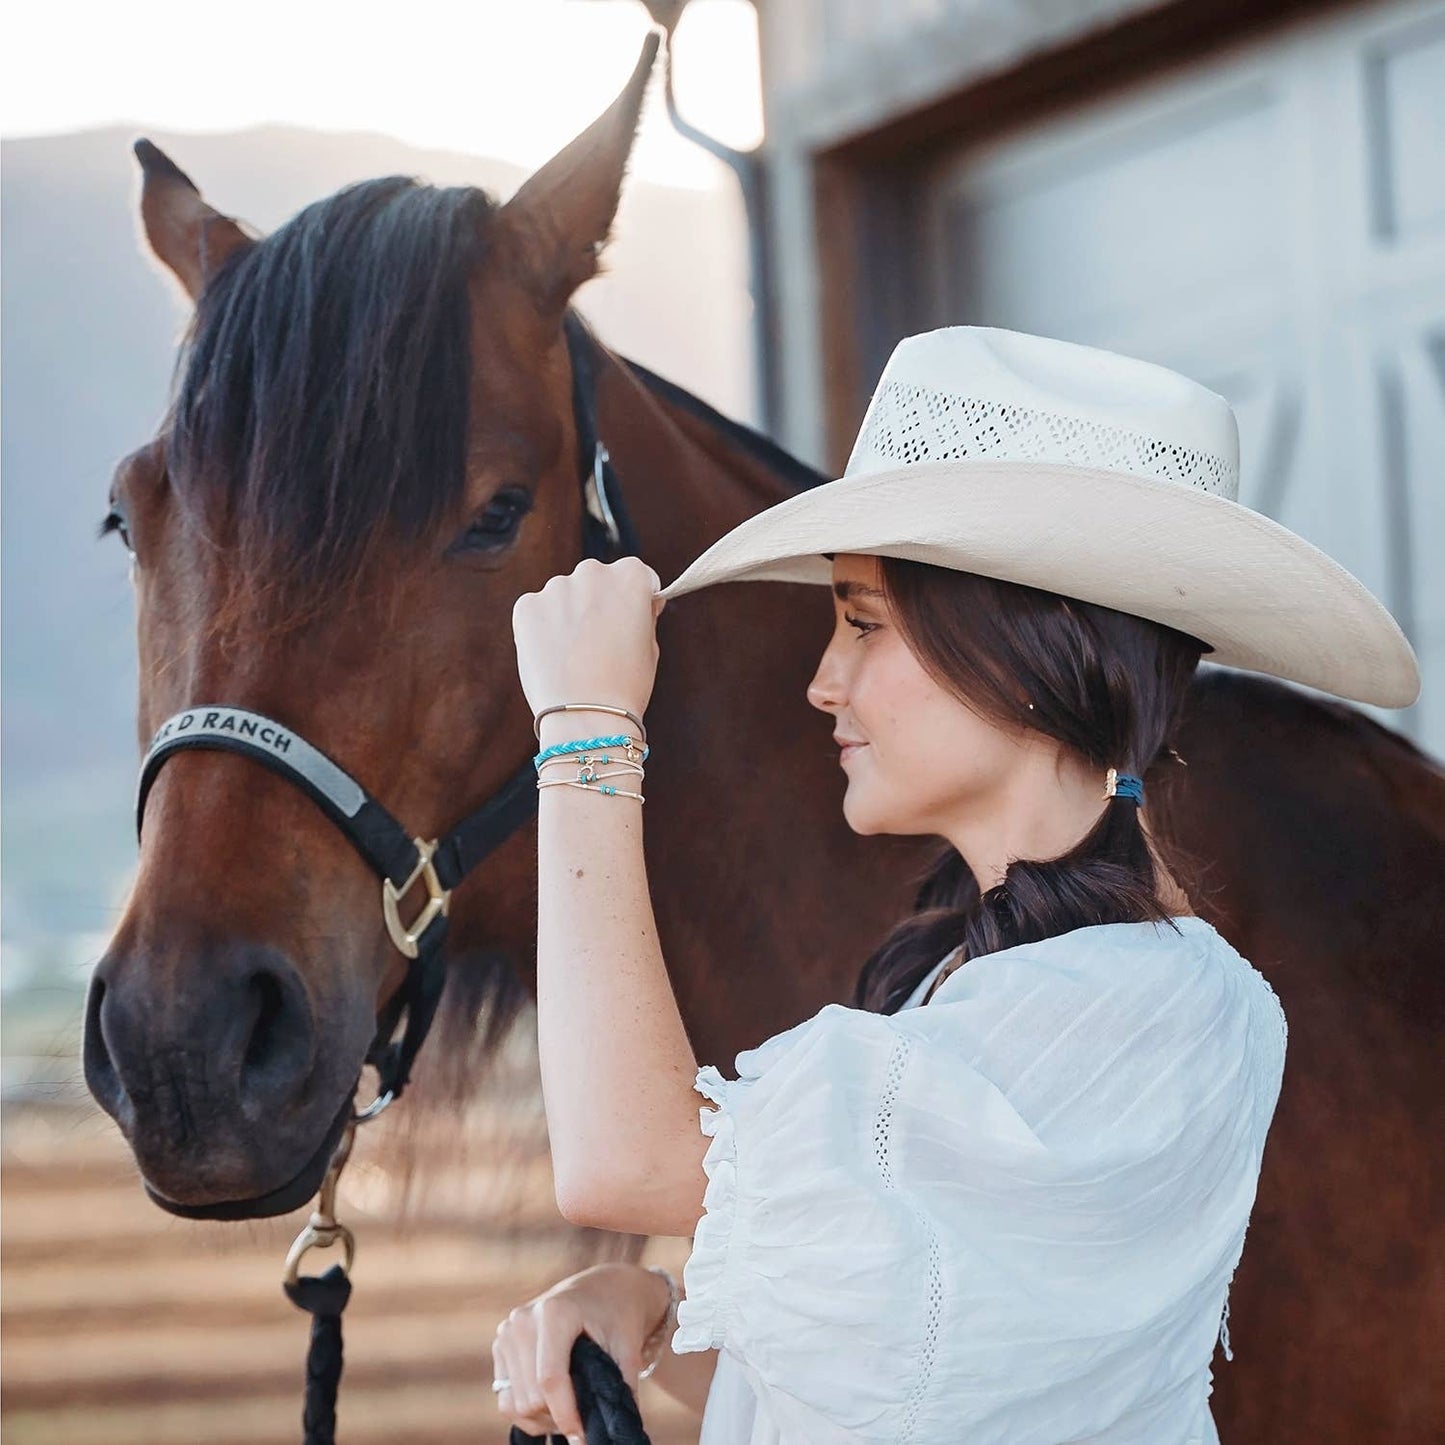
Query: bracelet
606	788
673	1295
589	763
587	707
587	745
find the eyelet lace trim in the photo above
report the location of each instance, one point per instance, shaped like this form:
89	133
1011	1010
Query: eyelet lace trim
910	423
882	1134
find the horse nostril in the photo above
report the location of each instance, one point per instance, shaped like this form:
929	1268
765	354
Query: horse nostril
262	1043
277	1049
100	1072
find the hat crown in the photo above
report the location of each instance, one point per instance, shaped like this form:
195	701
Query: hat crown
995	395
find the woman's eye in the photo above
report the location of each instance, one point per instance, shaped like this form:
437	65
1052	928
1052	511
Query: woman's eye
498	522
863	627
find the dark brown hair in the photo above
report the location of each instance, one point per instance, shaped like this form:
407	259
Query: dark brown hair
1106	685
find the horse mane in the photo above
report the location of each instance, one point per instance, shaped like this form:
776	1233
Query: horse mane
323	383
790	469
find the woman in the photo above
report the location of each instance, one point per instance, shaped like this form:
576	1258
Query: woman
1001	1197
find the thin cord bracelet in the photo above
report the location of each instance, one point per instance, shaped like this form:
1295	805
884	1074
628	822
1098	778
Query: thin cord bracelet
605	788
590	760
591	775
587	707
674	1295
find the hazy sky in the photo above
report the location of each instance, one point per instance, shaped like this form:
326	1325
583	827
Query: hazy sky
515	79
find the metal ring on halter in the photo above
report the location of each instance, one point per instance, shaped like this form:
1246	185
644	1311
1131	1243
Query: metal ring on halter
319	1236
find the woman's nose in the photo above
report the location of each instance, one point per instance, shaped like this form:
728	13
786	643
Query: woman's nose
825	692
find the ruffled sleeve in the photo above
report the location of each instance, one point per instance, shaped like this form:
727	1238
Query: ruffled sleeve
1011	1214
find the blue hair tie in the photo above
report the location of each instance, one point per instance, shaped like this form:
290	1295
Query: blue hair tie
1124	785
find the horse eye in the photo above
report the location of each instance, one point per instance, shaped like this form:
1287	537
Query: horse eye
498	522
114	521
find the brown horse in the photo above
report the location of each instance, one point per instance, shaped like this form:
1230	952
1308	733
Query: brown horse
372	451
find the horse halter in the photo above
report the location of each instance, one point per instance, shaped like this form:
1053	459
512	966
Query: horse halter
401	859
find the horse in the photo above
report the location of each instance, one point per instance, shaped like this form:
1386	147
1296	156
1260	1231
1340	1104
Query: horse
380	435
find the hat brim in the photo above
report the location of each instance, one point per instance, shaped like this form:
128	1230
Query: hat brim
1262	597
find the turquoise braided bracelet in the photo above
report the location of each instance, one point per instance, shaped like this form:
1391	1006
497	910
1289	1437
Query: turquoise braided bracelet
586	745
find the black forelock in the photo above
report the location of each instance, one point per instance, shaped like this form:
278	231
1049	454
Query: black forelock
323	384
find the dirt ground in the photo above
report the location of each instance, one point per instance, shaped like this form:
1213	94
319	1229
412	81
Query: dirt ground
125	1326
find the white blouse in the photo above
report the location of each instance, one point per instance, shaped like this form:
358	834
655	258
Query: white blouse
1007	1218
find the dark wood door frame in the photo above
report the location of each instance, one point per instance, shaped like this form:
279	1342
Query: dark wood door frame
867	189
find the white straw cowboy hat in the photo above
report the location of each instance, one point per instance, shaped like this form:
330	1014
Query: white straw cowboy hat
1085	473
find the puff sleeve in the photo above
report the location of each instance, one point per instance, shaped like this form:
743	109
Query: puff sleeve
1009	1215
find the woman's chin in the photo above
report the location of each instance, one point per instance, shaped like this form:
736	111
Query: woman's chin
857	814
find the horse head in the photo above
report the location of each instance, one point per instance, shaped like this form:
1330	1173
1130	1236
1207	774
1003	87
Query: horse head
370	452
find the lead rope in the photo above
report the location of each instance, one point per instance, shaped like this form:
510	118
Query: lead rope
609	1410
324	1296
607	1406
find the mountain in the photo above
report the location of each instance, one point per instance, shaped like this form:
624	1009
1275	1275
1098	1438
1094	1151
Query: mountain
90	322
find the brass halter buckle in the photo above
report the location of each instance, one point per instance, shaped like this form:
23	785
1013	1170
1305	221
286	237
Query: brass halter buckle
438	899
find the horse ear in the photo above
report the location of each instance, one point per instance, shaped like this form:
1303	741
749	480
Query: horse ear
559	219
189	236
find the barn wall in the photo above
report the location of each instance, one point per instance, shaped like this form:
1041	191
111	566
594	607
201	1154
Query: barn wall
1252	195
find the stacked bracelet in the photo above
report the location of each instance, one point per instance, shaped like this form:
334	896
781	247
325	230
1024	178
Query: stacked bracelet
584	754
668	1320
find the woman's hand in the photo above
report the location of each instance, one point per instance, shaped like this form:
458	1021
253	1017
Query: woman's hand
618	1305
590	636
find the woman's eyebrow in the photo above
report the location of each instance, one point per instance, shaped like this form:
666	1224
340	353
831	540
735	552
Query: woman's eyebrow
847	590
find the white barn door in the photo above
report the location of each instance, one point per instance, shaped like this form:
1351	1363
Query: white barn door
1272	223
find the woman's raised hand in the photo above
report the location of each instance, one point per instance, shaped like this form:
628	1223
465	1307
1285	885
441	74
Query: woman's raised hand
618	1305
590	636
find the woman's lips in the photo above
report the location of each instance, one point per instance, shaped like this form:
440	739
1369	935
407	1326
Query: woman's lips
847	750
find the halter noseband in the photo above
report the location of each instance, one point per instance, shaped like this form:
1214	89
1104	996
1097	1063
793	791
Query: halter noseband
398	857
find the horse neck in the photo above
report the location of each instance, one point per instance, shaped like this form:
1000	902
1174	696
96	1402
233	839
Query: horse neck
746	837
687	473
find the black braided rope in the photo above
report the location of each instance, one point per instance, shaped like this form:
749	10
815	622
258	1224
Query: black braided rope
607	1406
323	1297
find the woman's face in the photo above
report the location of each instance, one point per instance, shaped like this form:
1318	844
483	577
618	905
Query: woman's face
920	761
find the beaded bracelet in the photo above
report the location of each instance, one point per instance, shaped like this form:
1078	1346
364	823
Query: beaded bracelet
606	788
590	774
590	760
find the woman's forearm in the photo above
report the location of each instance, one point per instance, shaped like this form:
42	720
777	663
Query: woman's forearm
617	1066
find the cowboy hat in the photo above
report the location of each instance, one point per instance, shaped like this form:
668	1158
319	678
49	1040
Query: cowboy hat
1085	473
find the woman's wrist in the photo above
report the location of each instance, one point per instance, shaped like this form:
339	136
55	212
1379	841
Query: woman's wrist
655	1345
